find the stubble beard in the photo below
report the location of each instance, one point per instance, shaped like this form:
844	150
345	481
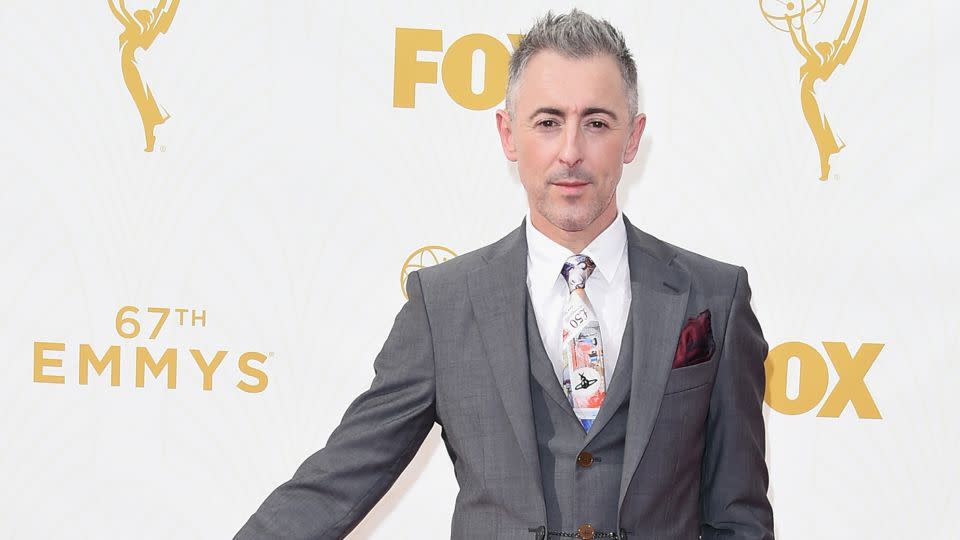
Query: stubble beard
572	218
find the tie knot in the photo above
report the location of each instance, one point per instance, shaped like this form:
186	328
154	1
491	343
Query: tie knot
576	270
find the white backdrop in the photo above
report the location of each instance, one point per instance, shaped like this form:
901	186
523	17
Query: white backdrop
286	192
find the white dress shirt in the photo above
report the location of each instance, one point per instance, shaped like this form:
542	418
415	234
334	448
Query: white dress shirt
608	289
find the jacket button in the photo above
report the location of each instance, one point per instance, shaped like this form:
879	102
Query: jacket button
584	459
585	531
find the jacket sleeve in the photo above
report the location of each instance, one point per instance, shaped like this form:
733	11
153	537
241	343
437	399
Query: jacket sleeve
378	436
734	481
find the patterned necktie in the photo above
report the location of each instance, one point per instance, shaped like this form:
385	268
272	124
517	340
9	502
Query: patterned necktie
582	349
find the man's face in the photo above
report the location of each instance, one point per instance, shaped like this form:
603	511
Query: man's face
570	137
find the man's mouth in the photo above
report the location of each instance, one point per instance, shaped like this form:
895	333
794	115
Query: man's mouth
571	187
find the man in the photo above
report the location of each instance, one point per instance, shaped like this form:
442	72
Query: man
622	405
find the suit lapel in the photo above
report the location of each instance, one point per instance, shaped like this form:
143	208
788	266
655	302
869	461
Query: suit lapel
659	293
498	292
659	290
619	389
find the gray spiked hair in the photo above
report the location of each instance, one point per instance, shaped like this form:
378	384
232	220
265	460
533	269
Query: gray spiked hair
574	35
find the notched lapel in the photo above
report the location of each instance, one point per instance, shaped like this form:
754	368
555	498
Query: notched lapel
498	294
660	291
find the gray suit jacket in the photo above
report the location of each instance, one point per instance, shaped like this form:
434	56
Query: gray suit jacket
456	355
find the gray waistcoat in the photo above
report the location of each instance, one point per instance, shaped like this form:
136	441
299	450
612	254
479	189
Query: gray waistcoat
575	494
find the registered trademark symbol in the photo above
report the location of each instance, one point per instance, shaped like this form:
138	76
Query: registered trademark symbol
163	148
836	177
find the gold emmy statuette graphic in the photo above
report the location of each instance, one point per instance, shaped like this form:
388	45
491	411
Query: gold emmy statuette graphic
821	60
139	31
422	258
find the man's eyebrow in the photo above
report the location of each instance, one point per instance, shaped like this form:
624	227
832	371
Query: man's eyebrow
548	110
599	110
586	112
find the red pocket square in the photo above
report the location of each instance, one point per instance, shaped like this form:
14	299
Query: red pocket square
696	341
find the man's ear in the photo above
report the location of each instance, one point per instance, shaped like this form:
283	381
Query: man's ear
633	144
507	139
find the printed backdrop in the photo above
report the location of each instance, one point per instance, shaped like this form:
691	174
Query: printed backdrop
182	327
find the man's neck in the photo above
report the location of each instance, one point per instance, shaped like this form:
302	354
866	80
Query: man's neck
575	241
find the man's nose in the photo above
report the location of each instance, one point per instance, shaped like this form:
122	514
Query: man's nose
571	154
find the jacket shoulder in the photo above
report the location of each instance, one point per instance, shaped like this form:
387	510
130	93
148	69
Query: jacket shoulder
454	271
706	272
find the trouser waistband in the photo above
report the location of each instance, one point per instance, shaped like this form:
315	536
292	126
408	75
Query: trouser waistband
585	532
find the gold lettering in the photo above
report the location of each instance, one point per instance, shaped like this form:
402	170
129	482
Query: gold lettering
40	361
457	71
851	387
111	358
407	70
813	378
120	321
164	313
168	360
247	369
208	369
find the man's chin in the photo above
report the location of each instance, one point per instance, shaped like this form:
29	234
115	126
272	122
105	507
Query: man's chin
571	223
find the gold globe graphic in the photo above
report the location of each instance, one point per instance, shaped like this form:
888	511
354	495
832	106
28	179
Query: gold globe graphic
422	258
777	11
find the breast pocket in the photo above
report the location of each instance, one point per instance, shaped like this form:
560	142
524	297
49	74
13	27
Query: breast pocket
690	377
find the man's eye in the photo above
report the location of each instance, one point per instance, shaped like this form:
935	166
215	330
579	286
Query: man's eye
597	124
548	123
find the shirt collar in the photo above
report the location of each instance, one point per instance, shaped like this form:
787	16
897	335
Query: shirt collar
545	257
